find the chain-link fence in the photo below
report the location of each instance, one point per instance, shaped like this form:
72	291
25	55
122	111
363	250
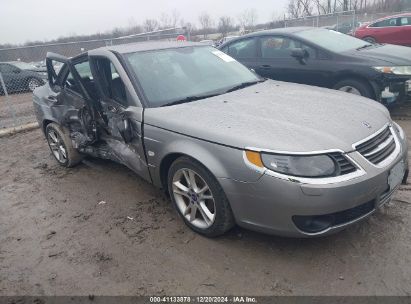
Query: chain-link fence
344	22
22	69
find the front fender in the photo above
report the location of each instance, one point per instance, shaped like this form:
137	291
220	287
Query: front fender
222	161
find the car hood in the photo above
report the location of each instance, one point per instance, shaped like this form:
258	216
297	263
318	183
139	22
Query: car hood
277	116
387	53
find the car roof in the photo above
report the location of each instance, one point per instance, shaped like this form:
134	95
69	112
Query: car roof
393	16
277	31
149	46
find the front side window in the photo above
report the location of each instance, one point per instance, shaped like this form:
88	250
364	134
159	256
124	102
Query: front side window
281	47
246	48
172	75
405	21
8	68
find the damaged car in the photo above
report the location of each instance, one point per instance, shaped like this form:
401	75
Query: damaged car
327	58
228	146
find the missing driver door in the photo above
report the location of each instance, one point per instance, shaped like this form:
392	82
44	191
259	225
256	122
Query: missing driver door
122	117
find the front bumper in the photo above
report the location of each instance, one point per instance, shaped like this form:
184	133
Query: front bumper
271	204
392	88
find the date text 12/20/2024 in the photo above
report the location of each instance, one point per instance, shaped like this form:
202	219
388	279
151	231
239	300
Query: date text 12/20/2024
204	299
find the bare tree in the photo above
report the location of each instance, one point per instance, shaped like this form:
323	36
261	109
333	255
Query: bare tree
165	20
175	17
206	23
150	25
248	18
225	25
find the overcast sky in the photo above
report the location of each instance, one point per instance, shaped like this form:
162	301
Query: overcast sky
24	20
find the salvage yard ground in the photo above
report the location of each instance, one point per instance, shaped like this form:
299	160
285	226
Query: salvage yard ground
100	229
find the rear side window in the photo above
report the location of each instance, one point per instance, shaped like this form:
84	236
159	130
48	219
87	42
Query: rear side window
246	48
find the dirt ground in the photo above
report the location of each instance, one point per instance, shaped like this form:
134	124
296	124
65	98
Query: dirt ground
21	105
56	238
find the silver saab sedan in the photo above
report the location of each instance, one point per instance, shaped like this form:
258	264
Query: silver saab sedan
229	147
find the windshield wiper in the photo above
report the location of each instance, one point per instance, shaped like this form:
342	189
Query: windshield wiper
244	85
364	47
189	99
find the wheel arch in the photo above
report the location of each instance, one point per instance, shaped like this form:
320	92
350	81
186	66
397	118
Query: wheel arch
205	160
353	76
45	123
222	161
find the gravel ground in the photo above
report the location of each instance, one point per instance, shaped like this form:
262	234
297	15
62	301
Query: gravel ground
57	238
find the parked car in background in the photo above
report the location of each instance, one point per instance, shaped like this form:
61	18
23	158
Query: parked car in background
345	27
225	39
18	77
40	69
393	30
328	59
229	146
207	42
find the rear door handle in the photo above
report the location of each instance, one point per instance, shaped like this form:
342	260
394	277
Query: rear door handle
266	66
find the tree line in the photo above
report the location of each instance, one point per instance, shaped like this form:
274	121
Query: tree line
303	8
206	25
245	21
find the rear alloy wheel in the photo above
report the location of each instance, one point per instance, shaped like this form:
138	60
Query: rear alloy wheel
354	86
370	40
61	147
33	83
198	198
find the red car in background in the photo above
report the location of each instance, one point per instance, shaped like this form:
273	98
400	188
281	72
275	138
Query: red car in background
393	30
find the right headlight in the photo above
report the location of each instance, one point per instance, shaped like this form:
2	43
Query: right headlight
295	165
397	70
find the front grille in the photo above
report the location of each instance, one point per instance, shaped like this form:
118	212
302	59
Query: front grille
378	148
344	165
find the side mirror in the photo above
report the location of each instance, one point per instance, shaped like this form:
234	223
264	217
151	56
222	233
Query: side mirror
125	130
301	55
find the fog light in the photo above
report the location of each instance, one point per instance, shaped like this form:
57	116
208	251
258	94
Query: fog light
313	224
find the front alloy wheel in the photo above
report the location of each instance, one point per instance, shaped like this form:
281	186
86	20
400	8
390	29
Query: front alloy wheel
199	198
194	198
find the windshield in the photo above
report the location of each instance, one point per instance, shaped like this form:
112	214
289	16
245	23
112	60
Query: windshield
23	65
171	75
331	40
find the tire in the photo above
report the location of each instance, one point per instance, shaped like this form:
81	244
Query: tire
355	86
370	40
222	219
33	83
61	147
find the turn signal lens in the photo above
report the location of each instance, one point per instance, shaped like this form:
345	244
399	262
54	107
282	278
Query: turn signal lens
254	158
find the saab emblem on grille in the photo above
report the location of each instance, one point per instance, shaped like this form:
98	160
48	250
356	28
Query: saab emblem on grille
366	124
